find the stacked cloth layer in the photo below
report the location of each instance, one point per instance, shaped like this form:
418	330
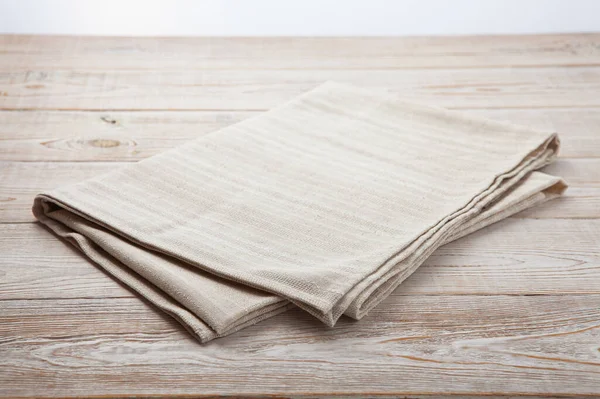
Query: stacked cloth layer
327	203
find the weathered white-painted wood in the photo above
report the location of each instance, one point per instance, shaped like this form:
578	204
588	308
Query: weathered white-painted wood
584	172
579	129
513	257
21	181
509	311
579	202
263	89
128	136
102	136
24	52
480	345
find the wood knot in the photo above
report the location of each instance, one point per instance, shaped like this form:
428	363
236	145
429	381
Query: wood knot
105	143
108	120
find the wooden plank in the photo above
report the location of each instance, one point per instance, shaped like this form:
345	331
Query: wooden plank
579	202
21	181
579	129
511	310
513	257
263	89
120	53
102	136
36	264
583	172
131	136
451	345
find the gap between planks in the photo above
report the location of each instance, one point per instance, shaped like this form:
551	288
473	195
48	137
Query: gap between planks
224	109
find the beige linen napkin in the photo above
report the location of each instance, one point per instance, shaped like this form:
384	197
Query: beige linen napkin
327	202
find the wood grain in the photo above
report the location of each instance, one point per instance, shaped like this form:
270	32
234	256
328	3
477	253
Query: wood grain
515	345
259	90
103	136
131	136
21	181
513	310
560	257
126	53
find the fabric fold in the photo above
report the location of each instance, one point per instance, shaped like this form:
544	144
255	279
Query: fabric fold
327	202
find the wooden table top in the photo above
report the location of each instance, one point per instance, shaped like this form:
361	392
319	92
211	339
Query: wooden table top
510	310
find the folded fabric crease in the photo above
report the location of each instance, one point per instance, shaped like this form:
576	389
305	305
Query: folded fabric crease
327	202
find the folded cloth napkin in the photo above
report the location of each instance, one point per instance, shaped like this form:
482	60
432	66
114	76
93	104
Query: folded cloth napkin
327	202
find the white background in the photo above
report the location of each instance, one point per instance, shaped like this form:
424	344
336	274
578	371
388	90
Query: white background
301	17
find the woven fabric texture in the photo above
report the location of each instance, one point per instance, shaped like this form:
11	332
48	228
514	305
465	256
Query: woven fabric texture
327	202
